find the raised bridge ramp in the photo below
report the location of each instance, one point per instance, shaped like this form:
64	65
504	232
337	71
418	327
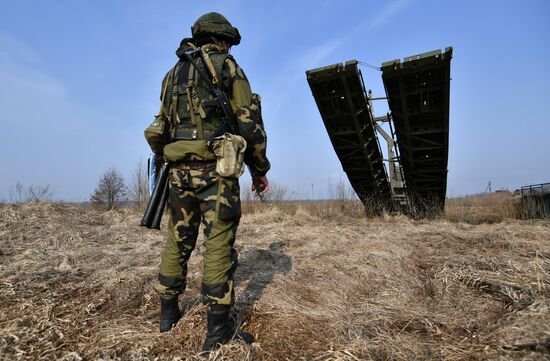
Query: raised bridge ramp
340	96
418	96
417	90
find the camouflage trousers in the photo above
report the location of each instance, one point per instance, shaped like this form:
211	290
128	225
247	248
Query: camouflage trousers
199	194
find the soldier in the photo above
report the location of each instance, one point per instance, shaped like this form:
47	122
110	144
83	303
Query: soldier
180	133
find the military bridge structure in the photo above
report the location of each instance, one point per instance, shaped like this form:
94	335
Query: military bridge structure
413	177
535	200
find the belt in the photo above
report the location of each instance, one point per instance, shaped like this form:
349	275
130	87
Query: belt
190	134
194	164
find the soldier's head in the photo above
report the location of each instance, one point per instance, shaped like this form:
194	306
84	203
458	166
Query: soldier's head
214	27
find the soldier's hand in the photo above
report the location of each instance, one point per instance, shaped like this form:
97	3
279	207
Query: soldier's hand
263	184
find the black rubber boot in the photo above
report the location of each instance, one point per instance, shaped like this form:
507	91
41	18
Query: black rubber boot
169	312
221	329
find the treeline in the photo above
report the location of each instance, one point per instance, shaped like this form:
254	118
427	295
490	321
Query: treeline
113	190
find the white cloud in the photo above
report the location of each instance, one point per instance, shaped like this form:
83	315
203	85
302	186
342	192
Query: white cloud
291	73
387	13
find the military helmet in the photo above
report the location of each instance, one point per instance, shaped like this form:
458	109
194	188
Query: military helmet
215	25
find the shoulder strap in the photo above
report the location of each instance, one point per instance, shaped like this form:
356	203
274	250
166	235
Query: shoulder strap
214	64
196	110
210	67
168	80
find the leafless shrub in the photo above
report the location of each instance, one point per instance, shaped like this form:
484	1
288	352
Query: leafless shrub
111	190
31	194
277	194
138	187
341	194
342	203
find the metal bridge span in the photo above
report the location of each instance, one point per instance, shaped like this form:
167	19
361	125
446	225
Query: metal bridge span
417	90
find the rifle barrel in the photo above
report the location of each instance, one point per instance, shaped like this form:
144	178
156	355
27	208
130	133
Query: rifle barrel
155	222
157	198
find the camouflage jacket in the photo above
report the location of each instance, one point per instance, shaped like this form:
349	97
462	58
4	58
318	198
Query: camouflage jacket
247	112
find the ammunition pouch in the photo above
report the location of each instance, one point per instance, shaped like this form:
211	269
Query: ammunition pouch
188	150
229	150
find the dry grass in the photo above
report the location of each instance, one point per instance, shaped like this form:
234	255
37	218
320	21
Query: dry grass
483	208
324	209
475	209
77	284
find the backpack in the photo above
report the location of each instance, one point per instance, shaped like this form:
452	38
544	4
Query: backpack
189	114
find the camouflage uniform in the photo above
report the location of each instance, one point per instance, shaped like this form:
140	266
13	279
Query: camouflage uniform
198	193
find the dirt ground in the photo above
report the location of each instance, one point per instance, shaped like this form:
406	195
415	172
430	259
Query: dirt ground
76	284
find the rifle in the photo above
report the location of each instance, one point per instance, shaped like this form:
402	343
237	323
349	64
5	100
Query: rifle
224	106
152	171
155	207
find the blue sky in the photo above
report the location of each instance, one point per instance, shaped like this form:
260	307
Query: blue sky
80	80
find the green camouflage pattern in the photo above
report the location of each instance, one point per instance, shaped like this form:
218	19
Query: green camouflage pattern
195	196
190	150
251	127
245	104
248	115
216	25
157	134
199	195
175	88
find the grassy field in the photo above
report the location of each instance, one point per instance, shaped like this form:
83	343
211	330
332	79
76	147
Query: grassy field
315	282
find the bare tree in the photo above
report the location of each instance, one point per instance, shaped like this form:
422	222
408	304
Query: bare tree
277	194
30	194
342	191
111	190
138	187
